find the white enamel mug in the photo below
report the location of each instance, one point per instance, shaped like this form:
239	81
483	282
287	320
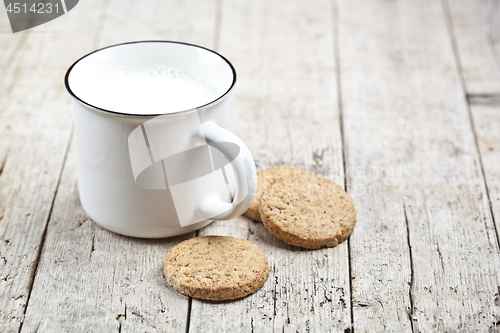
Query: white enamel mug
159	175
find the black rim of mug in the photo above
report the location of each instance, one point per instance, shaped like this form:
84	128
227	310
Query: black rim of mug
215	101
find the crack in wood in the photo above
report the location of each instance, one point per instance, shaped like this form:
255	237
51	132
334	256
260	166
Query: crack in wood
92	248
473	99
338	76
121	318
351	329
336	48
440	256
483	174
4	162
83	222
188	319
137	314
484	99
363	305
274	294
163	308
190	301
496	297
44	233
412	275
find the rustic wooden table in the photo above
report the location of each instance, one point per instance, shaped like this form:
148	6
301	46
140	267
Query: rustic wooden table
397	101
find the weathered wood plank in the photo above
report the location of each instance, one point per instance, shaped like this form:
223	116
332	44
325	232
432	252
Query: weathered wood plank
487	129
10	45
92	280
410	156
424	254
99	281
285	109
186	21
476	27
34	109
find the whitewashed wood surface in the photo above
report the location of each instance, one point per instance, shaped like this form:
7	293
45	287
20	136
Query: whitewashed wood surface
397	101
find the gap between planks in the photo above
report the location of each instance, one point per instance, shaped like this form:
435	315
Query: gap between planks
68	145
40	248
412	269
338	77
44	234
472	99
216	38
262	87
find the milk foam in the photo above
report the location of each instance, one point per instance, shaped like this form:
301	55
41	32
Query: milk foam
155	89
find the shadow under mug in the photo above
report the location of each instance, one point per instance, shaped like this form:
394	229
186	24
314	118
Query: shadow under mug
159	175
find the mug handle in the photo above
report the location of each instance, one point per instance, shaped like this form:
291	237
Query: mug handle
243	165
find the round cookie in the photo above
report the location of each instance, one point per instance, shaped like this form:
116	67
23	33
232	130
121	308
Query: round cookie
216	267
311	213
268	177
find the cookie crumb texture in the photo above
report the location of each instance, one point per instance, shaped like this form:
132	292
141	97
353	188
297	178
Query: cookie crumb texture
268	177
216	268
312	212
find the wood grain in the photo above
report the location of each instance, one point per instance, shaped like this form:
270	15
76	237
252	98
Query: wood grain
424	254
476	26
34	110
89	279
487	129
92	280
285	109
186	21
10	44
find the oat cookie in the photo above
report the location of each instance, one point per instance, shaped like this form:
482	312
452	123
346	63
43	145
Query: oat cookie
311	212
266	178
216	267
